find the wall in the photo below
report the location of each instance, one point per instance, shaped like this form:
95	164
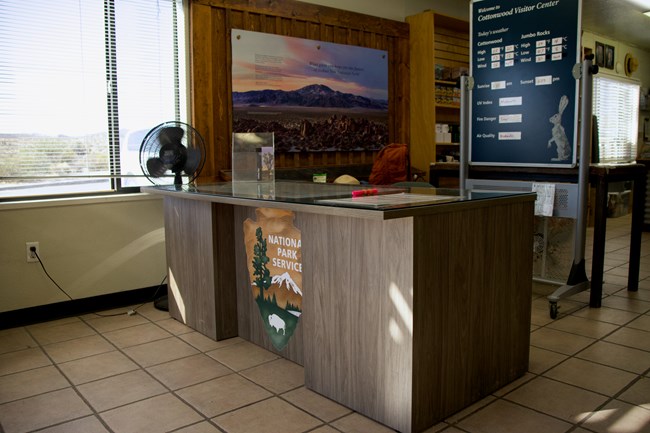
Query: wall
620	49
454	8
399	9
392	10
641	75
90	247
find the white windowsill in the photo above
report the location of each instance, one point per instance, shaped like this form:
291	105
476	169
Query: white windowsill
77	201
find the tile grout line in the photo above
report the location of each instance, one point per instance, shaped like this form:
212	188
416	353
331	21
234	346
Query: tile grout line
72	386
144	369
579	424
174	392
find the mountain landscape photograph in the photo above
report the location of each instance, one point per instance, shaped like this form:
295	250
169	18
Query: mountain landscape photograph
313	118
313	95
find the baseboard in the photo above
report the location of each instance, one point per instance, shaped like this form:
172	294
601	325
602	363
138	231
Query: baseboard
45	313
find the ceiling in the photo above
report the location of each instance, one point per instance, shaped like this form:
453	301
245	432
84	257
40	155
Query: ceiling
621	20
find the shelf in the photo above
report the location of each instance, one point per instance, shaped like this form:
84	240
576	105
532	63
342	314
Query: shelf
450	83
439	47
457	107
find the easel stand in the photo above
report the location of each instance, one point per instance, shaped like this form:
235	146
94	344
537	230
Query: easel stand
578	281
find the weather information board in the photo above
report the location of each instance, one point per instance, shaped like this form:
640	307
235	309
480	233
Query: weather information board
524	102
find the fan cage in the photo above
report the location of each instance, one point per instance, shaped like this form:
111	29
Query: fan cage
151	145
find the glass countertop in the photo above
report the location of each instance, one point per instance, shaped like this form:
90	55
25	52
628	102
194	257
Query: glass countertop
338	195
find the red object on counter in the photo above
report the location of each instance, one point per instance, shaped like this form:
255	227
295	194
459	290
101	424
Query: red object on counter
364	192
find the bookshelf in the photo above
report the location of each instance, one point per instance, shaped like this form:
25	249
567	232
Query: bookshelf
439	54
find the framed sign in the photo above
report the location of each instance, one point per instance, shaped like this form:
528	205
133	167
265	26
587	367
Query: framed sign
524	104
600	54
314	95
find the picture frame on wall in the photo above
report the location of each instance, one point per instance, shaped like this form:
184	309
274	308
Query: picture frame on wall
600	54
305	86
609	57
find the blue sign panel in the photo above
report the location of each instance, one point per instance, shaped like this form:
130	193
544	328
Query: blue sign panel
524	103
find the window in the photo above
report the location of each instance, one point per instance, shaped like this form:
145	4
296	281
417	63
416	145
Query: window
616	105
81	82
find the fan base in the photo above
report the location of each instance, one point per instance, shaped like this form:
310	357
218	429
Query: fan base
162	303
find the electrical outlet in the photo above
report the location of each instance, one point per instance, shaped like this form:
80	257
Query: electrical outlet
31	257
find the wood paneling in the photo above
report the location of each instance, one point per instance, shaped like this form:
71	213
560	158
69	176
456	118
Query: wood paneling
434	39
472	302
422	73
417	316
224	274
210	29
198	237
358	314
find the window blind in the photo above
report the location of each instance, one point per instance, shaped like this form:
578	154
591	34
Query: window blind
81	82
616	105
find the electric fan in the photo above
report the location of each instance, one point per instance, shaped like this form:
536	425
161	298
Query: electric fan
172	149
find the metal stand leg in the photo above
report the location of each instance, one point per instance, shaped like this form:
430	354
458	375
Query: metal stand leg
578	281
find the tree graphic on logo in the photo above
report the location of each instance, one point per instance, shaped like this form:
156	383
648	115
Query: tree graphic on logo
261	272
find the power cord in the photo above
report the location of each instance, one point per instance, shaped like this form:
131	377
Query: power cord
130	312
133	311
33	251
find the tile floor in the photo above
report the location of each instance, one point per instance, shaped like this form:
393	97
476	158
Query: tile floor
589	372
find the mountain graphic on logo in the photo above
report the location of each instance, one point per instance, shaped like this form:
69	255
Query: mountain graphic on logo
285	278
283	292
314	95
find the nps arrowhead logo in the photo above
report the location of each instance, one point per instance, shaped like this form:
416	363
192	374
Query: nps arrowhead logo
273	247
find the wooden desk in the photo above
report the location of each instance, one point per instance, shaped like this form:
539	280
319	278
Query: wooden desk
408	315
600	176
646	218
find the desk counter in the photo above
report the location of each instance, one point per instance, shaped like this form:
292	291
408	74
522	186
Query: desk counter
413	308
600	177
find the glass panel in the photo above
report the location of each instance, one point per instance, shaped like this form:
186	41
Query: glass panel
64	126
52	96
253	156
148	75
374	198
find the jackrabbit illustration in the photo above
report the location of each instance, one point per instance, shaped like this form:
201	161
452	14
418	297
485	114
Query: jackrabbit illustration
558	134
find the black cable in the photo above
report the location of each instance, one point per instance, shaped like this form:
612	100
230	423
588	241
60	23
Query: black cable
130	312
153	297
48	275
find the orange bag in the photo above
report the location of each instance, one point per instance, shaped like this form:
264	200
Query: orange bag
391	165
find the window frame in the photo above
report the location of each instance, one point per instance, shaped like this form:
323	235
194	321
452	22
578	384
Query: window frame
609	126
113	142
